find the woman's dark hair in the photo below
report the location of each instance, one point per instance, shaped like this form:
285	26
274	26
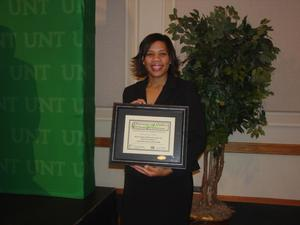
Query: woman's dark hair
138	69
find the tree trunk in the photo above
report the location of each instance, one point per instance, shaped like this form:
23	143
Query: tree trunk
211	176
209	207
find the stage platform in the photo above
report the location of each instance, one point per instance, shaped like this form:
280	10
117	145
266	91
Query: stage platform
98	208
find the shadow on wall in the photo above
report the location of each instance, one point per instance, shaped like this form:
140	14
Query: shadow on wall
20	118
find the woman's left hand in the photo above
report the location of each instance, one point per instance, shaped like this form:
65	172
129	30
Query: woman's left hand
153	171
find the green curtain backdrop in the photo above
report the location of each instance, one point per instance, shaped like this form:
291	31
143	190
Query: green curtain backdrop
47	97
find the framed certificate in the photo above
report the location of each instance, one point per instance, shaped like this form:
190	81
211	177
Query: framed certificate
149	134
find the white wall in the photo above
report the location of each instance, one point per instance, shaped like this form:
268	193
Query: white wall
254	175
110	51
284	16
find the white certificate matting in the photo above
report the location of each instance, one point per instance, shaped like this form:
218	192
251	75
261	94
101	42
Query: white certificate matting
150	135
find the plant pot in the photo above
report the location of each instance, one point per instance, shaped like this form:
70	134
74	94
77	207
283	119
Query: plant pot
195	222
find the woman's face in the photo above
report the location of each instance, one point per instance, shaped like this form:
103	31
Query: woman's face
157	60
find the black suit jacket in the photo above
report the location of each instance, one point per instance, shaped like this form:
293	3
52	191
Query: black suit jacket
178	92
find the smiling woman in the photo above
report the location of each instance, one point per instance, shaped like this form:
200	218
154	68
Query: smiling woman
149	190
157	60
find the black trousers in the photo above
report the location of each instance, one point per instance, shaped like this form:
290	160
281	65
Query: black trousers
156	201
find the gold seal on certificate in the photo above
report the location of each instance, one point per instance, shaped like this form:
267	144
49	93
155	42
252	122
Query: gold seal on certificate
149	134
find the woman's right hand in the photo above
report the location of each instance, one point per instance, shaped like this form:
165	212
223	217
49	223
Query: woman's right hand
139	101
153	171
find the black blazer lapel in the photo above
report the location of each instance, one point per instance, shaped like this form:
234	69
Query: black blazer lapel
168	92
141	89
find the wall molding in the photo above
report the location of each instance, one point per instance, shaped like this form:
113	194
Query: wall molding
263	148
275	119
131	36
102	142
283	119
236	147
284	125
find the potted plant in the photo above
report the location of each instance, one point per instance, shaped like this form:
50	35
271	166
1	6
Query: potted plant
231	64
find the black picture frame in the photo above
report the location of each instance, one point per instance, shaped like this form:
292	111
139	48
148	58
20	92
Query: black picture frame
149	134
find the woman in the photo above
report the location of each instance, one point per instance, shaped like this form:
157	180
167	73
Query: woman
159	195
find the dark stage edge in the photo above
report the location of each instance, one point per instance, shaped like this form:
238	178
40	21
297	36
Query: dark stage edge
97	208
